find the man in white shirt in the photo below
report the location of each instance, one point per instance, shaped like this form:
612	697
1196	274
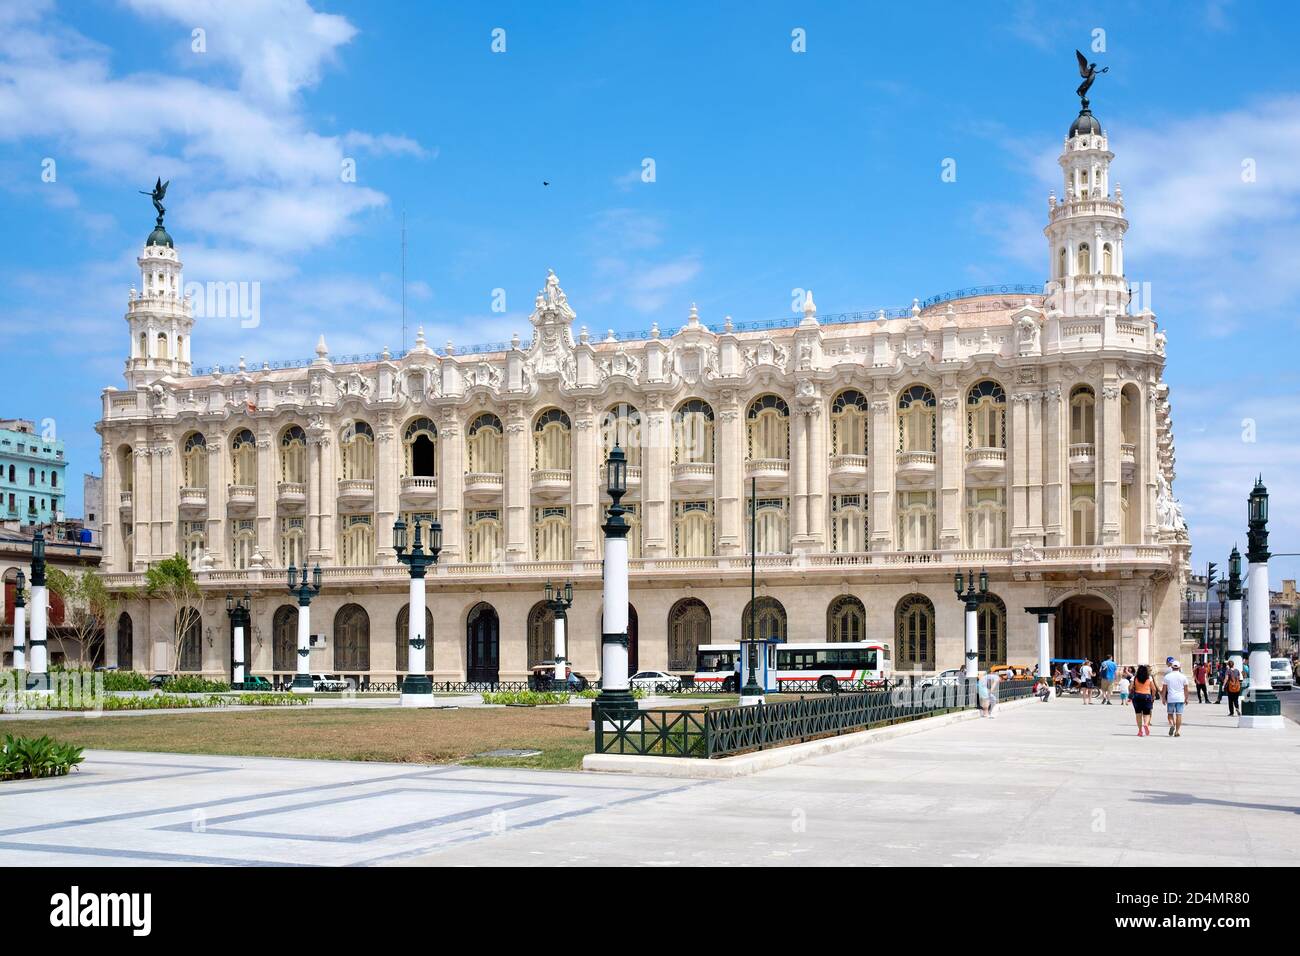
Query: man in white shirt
1174	694
1085	681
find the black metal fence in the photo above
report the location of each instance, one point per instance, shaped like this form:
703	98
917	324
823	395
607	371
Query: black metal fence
708	732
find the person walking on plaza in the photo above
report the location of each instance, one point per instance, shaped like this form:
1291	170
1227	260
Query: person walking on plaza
1201	673
1144	695
1174	695
1220	674
1123	688
1085	681
1232	687
1107	673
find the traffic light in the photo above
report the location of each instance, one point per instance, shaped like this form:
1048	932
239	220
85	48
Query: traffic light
1209	578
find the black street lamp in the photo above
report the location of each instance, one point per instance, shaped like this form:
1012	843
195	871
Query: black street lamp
237	610
38	657
615	702
1260	707
972	598
559	600
417	688
302	682
20	623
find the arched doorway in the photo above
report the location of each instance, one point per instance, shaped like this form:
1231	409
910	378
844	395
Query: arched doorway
1085	628
125	645
351	639
284	640
541	634
482	644
402	639
689	626
768	615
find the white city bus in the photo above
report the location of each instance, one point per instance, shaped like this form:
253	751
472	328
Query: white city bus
827	665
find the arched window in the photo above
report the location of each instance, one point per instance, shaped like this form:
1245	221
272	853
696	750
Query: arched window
916	419
768	421
144	346
11	473
243	543
689	626
243	458
293	455
483	445
771	522
54	479
846	619
541	634
403	639
1083	515
189	640
194	541
849	523
1129	404
551	432
693	433
917	527
194	461
986	518
125	642
125	468
1107	259
991	621
1085	257
483	537
768	615
1083	407
693	529
356	541
1060	263
551	538
351	638
622	427
914	631
986	415
292	541
357	451
162	345
849	425
420	448
31	477
284	646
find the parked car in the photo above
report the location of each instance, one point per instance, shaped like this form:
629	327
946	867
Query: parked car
328	682
544	677
255	684
658	682
953	675
1280	671
1013	672
158	680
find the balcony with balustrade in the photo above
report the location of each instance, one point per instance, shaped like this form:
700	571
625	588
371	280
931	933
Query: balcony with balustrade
692	476
241	498
915	466
419	490
849	472
551	484
125	503
291	495
356	494
483	486
193	501
985	464
1083	460
772	474
1127	461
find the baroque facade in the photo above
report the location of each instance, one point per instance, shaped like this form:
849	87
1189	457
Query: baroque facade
1025	431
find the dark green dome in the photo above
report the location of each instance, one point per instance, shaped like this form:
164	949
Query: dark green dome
159	237
1085	124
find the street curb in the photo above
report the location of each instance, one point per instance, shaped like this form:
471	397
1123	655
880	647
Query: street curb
746	764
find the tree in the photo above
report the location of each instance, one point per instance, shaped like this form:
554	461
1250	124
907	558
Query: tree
88	605
172	582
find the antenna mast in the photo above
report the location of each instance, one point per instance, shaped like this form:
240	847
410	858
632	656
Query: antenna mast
403	280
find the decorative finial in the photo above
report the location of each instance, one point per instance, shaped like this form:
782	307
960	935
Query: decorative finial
880	316
583	336
450	347
386	354
419	337
242	366
322	350
157	194
726	323
654	330
514	340
916	308
809	306
609	336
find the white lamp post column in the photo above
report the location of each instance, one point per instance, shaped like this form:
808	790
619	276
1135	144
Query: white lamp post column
972	599
302	683
1044	644
559	600
1260	707
615	701
38	665
1235	639
417	688
20	623
237	609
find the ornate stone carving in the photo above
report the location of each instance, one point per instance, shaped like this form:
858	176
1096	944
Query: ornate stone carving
1027	335
620	363
354	383
766	353
551	350
1169	513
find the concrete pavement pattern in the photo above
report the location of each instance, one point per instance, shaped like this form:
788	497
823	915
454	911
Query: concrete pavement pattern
1056	783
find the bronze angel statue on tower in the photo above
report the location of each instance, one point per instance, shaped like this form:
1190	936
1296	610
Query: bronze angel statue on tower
1089	73
157	195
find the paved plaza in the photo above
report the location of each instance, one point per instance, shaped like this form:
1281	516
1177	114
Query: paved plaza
1042	784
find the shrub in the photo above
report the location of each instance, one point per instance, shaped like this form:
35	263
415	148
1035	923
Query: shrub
193	684
527	697
23	757
108	702
272	700
125	680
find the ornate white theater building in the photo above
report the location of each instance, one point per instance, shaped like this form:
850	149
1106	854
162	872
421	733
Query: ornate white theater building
1022	431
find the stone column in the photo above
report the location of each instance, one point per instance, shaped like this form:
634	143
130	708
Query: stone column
798	484
451	485
1108	465
389	467
656	480
266	495
884	458
951	472
518	465
586	457
312	526
729	475
818	477
218	466
329	495
1054	468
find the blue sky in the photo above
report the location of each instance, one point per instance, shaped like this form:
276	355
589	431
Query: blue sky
774	170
